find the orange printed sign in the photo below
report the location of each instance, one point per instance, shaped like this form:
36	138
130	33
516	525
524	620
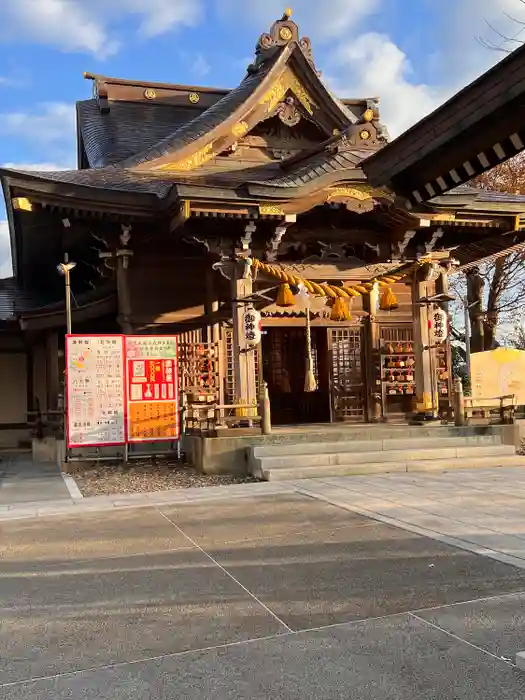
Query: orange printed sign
153	421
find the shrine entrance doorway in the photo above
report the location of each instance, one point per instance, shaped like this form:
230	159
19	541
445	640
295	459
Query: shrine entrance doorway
284	369
347	374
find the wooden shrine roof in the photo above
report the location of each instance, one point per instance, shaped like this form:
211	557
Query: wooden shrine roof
18	303
478	128
126	129
150	149
15	300
145	138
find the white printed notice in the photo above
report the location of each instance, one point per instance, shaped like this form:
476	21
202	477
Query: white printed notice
95	390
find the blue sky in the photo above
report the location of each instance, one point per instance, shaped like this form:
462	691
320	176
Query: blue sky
413	54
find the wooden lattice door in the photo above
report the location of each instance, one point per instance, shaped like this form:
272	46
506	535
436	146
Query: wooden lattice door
347	375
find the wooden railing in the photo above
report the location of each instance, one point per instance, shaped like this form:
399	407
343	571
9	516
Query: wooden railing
500	408
212	418
46	423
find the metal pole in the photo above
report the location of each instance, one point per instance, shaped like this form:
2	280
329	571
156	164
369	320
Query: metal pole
68	301
467	337
65	269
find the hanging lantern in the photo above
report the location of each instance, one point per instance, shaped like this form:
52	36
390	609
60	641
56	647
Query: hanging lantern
285	296
388	301
340	310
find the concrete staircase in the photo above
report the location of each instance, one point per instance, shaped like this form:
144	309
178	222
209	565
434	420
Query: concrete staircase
381	449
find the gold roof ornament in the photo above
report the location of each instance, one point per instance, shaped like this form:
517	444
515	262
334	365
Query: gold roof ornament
287	13
240	129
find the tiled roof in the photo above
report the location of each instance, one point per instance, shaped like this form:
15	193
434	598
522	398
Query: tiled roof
502	197
204	123
15	300
128	128
321	164
488	249
109	178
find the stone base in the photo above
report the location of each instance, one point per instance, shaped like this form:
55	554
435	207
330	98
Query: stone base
44	450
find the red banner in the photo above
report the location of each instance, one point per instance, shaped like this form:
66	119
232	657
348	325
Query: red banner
152	388
122	389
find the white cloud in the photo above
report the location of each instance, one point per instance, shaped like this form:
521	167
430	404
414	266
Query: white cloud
38	167
200	67
79	25
160	16
66	24
316	19
378	68
5	251
374	65
49	127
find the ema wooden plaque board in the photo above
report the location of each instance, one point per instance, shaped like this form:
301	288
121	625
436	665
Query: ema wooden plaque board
499	372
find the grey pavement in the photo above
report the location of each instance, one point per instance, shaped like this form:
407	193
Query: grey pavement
273	594
481	510
22	481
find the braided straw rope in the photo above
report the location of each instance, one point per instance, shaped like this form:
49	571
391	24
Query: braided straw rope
331	290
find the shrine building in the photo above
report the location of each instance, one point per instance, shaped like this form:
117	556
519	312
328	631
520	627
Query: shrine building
195	209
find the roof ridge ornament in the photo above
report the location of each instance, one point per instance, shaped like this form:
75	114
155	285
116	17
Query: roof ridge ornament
281	33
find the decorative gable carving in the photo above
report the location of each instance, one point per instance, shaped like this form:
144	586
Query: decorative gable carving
281	33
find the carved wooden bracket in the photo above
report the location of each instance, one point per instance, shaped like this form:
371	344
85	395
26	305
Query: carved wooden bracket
272	247
402	245
246	239
438	233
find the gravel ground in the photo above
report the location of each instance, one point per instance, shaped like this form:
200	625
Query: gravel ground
99	479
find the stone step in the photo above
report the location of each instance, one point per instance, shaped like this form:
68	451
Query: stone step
262	464
329	447
346	433
422	465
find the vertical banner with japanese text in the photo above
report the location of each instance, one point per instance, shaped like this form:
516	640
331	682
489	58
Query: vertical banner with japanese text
152	388
95	390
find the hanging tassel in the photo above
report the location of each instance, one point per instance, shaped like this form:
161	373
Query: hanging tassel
309	380
388	301
340	310
285	296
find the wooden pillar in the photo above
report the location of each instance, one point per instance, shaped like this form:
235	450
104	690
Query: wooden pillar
244	358
442	287
374	409
425	373
52	370
211	306
30	378
121	256
124	298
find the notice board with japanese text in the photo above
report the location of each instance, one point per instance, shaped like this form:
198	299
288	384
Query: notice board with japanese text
152	384
121	389
95	390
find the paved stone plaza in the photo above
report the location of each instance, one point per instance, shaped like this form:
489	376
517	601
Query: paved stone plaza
22	481
272	592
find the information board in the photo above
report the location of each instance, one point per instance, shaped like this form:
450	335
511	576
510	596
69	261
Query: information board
152	384
95	390
499	372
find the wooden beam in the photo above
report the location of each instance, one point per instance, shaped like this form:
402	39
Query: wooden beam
183	214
